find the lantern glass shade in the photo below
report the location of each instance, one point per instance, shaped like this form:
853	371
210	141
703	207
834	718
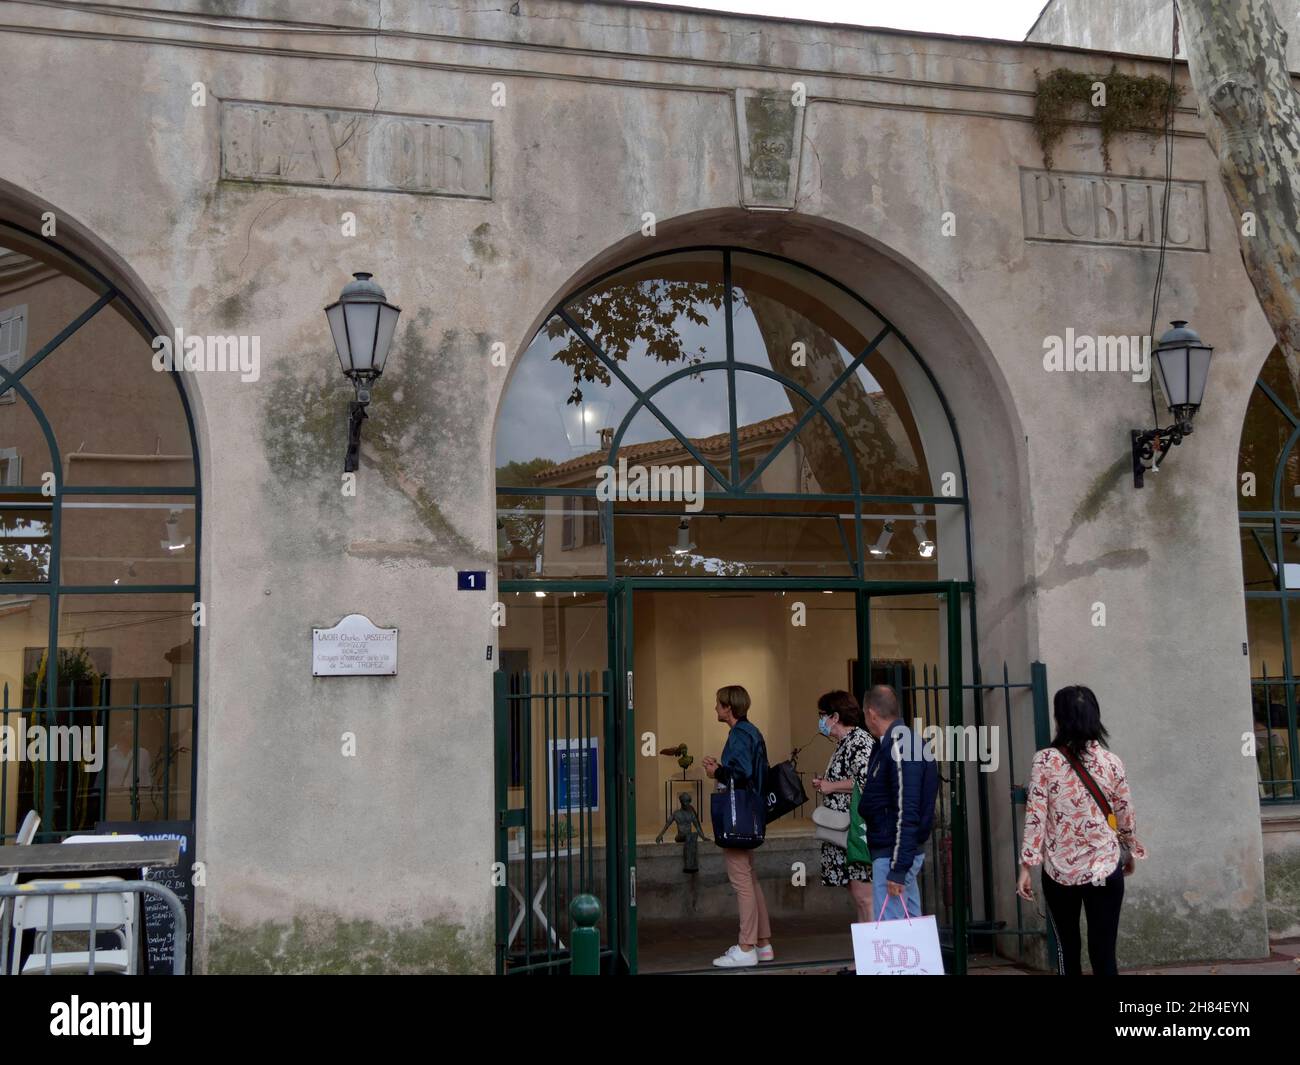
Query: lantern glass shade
362	324
334	314
1172	365
384	335
1183	363
583	422
362	321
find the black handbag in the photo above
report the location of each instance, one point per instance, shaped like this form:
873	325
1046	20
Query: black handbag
784	790
739	818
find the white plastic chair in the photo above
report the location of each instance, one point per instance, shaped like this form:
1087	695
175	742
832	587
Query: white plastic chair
114	912
26	833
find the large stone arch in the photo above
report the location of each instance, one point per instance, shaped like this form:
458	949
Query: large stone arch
963	366
80	253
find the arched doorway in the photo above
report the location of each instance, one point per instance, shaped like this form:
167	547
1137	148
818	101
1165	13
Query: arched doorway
99	541
1269	484
713	466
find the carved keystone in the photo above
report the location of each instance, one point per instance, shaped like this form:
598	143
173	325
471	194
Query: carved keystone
769	130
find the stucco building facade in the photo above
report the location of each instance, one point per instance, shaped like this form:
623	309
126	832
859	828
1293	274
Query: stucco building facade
227	166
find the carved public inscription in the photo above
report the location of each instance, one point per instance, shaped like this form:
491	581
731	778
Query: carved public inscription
1105	209
355	150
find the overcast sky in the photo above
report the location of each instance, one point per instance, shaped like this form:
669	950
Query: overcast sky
1007	19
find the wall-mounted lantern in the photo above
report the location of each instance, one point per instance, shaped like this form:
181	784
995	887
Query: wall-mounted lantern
362	323
1183	363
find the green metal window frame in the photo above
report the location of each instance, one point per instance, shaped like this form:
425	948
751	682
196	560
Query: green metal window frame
54	588
734	488
1288	681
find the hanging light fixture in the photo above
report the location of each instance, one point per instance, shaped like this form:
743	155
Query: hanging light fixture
586	423
172	528
881	547
362	322
1183	365
683	546
925	546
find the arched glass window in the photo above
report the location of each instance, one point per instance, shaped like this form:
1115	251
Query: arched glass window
818	441
99	529
1268	468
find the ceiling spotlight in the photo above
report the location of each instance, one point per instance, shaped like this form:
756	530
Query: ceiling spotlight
540	595
683	545
881	547
925	544
174	541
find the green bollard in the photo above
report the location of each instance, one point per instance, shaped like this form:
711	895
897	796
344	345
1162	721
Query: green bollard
585	959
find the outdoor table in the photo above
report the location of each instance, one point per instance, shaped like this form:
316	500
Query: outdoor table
52	860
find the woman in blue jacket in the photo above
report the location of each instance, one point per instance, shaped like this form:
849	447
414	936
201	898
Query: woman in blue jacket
744	763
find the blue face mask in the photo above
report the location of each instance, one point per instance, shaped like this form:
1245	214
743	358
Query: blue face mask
824	725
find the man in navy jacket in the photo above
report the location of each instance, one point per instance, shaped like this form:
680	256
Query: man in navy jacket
897	806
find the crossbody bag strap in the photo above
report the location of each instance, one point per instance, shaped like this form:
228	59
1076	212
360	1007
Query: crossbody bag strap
1097	794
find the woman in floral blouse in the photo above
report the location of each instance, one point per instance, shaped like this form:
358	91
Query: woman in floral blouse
840	719
1084	858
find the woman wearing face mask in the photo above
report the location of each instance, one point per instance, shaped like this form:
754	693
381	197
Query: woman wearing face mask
839	718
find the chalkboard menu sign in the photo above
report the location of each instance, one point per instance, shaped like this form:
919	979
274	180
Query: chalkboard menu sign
159	924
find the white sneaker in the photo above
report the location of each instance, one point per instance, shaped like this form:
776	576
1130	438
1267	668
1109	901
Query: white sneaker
735	958
766	953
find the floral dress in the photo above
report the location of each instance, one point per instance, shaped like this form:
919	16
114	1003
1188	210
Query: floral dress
849	760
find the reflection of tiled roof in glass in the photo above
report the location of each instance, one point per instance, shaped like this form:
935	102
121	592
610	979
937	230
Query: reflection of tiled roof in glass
716	446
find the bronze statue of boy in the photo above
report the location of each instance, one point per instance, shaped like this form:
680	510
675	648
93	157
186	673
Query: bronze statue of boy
689	832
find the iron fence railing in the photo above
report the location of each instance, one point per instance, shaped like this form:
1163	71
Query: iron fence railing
925	699
1277	737
72	799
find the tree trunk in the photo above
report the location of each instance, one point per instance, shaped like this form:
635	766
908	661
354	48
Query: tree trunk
1236	52
881	468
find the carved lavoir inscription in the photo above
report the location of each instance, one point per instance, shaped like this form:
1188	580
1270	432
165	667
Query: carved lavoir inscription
1105	209
280	144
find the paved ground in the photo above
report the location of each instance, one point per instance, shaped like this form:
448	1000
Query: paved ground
668	947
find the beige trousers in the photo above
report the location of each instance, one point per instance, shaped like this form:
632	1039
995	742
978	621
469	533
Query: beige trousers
754	924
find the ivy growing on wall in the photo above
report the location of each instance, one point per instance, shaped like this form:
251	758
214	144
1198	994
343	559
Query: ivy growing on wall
1131	104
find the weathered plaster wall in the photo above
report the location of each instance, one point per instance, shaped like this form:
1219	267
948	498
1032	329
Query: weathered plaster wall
324	863
1139	27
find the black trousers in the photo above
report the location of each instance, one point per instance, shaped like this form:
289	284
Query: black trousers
1102	905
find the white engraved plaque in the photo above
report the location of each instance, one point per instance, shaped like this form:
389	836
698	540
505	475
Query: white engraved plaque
354	648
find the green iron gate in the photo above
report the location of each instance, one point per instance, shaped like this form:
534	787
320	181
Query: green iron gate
1016	709
565	819
561	745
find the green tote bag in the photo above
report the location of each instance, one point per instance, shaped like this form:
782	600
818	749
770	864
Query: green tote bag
857	849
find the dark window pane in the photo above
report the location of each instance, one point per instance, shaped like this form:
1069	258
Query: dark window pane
126	665
125	540
116	420
25	543
24	637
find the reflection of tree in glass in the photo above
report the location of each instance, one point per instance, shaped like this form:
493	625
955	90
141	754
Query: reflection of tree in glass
882	466
672	564
522	515
619	316
1265	432
655	313
24	548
